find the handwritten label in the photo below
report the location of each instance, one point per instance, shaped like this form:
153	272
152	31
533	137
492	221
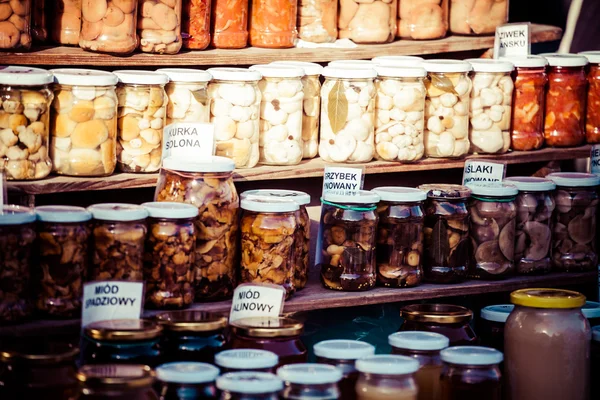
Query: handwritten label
483	171
342	180
595	159
257	300
512	40
188	140
108	300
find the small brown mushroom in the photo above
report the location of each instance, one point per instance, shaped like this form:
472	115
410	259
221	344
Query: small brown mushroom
539	237
489	252
582	230
507	240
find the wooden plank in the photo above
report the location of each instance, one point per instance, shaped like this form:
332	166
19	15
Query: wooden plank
253	55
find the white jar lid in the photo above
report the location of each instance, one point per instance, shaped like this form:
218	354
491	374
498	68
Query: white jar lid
446	66
187	372
24	76
400	72
278	71
574	179
186	75
310	374
212	164
16	215
118	212
62	214
400	194
592	56
415	340
84	77
309	68
596	334
269	205
530	61
565	60
489	65
141	77
387	365
497	313
531	183
299	197
363	197
471	355
499	189
352	63
343	349
246	359
234	74
170	210
249	382
349	72
398	61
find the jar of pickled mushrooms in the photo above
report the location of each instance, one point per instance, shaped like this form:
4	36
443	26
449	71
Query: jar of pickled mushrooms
63	237
109	26
448	320
477	17
422	20
123	381
196	24
186	380
39	30
159	26
118	240
187	91
346	244
229	24
447	108
348	115
273	23
533	235
398	61
169	255
574	225
237	360
235	110
66	24
15	25
367	22
208	185
249	386
142	111
282	99
592	116
386	377
310	381
317	20
85	108
399	113
400	236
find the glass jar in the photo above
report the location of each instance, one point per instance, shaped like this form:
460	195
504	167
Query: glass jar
447	243
446	319
66	22
229	24
249	386
17	238
234	93
535	205
470	373
196	24
209	186
24	120
595	369
159	26
317	21
545	331
239	360
38	21
347	133
192	335
85	108
399	113
276	334
491	326
310	382
142	110
109	26
424	347
574	224
592	116
477	17
346	244
187	91
384	377
116	382
118	240
398	61
343	355
422	20
187	381
367	22
400	236
282	99
273	23
63	238
121	341
169	255
15	32
447	108
564	125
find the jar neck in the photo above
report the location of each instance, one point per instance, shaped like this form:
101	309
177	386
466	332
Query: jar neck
241	396
530	70
200	175
347	366
311	392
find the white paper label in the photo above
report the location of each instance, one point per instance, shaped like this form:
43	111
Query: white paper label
188	140
512	40
482	171
343	181
108	300
595	159
257	300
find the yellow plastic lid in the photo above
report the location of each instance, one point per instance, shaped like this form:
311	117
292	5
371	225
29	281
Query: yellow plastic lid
547	298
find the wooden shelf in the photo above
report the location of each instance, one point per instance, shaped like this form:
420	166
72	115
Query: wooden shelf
253	55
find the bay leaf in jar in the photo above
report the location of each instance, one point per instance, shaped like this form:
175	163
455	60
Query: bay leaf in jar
440	245
337	107
442	83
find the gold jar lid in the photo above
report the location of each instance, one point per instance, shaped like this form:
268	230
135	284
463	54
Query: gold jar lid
436	313
41	353
547	298
191	321
267	327
123	330
115	375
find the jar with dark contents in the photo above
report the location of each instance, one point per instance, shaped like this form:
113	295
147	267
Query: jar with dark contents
208	186
277	334
118	240
471	373
343	355
310	382
592	117
191	335
595	370
346	244
574	231
447	243
245	360
491	325
386	377
187	381
121	341
116	382
446	319
249	386
400	236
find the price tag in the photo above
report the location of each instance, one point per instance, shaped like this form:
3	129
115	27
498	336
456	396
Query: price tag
483	171
257	300
345	181
512	40
595	159
108	300
188	140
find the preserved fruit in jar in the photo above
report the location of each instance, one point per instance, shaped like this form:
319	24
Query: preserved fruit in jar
187	91
15	21
386	377
310	381
249	385
229	24
109	26
273	23
66	24
38	23
367	22
317	20
477	17
592	117
246	360
100	382
422	20
159	26
446	319
186	380
196	24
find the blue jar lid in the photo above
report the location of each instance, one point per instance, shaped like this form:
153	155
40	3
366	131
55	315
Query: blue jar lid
187	372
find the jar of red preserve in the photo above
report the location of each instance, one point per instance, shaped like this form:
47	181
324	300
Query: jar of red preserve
592	117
